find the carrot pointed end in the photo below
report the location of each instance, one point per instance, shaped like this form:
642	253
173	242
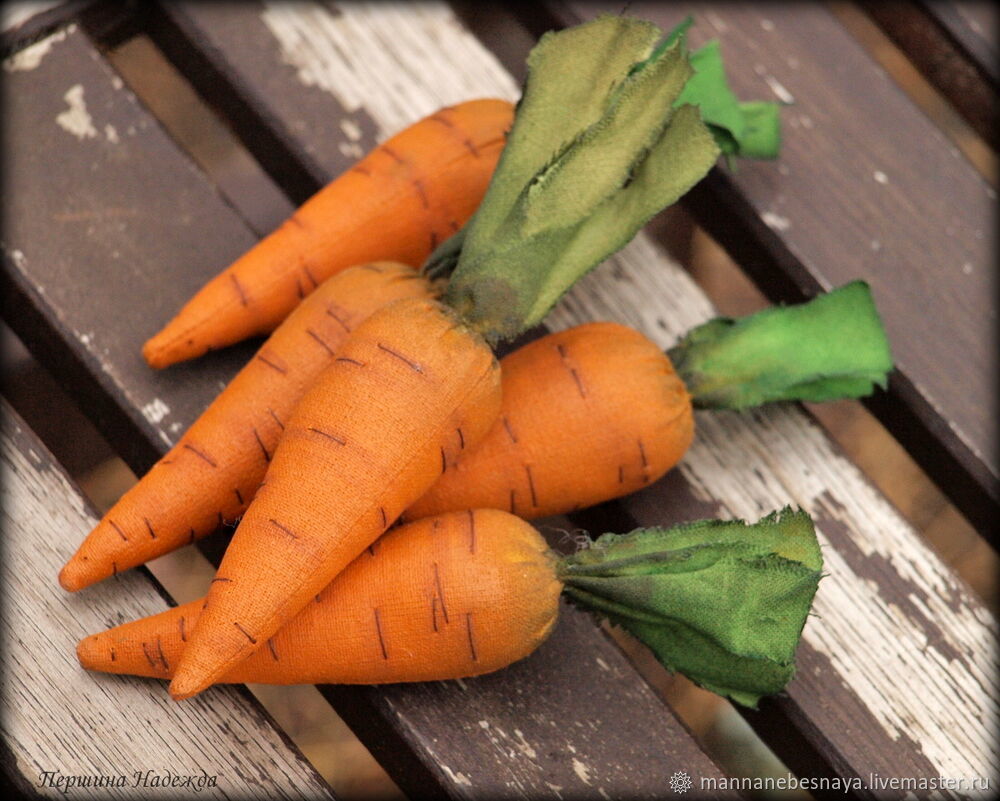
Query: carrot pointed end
184	685
162	350
90	653
77	574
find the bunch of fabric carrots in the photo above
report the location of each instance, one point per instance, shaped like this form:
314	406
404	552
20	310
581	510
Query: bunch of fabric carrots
382	463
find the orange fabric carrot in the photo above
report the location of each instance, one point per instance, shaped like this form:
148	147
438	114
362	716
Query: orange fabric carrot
589	414
212	474
469	592
397	203
457	595
407	392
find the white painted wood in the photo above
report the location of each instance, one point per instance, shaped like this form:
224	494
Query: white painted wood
59	718
940	692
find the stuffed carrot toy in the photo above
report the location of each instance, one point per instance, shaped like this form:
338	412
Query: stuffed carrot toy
398	203
210	476
470	592
598	145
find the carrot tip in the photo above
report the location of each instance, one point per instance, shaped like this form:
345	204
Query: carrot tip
87	654
72	577
184	687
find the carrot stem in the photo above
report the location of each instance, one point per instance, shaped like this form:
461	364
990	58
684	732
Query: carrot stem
723	602
832	347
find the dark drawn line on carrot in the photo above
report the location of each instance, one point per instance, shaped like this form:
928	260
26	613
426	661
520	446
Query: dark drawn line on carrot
409	362
269	363
350	361
621	474
392	154
149	527
219	578
191	536
275	418
113	655
159	650
461	439
472	639
260	442
319	339
286	529
362	169
239	495
510	431
114	568
440	592
572	370
381	640
531	486
221	521
434	240
371	549
117	528
181	627
422	192
472	531
512	507
330	313
194	450
385	517
149	658
444	461
239	289
328	435
245	633
272	649
309	275
434	613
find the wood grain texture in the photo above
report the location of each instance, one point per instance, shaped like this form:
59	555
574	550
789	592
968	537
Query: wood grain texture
57	717
940	41
866	187
574	739
890	596
973	25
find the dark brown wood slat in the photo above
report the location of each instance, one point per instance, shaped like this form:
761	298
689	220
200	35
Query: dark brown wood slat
866	187
625	739
957	59
973	24
60	718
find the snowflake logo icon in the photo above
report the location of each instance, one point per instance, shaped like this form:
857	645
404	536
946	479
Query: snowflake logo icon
681	782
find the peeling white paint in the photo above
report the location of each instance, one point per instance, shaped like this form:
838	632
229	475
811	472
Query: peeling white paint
880	177
76	119
29	58
523	745
155	410
967	268
350	129
602	664
779	90
351	149
457	778
876	245
389	51
581	770
767	25
111	134
776	221
19	259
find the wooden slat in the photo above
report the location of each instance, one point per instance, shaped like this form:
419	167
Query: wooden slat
866	187
877	704
973	25
61	719
122	258
954	46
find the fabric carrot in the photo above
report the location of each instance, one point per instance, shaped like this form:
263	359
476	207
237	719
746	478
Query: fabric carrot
211	475
597	411
596	148
470	592
397	203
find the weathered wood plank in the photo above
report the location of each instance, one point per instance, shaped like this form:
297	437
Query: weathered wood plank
954	46
859	718
59	718
573	738
866	187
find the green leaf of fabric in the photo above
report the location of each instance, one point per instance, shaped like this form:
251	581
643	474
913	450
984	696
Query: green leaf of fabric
748	130
722	602
832	347
565	196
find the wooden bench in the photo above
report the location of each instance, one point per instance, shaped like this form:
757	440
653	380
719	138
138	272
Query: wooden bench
113	225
